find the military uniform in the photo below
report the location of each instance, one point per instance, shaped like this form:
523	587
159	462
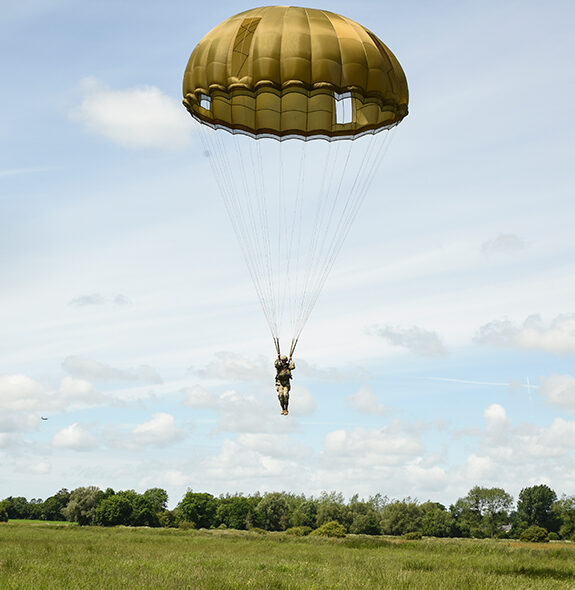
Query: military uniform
284	367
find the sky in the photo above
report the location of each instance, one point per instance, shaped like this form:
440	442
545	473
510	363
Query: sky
440	354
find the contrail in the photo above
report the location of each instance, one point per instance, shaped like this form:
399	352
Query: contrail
469	381
527	384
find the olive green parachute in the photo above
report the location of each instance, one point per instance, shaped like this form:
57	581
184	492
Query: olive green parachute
292	73
283	71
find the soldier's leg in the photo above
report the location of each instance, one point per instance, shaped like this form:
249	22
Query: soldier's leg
285	392
283	397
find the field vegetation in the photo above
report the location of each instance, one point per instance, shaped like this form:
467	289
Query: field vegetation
63	556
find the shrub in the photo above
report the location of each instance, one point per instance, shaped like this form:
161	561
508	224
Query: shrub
413	536
257	530
553	536
3	514
535	534
330	529
299	531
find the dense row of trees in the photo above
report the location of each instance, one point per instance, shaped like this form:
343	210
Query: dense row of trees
483	512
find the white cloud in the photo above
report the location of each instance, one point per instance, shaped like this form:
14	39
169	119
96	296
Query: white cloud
559	390
160	431
372	447
479	468
240	461
99	299
78	389
534	334
91	370
18	392
366	402
414	338
174	477
75	437
247	412
18	421
303	401
503	243
228	366
199	397
41	467
496	417
141	117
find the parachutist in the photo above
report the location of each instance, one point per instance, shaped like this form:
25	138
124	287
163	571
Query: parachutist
284	367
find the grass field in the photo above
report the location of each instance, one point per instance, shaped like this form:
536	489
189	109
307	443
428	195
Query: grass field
59	556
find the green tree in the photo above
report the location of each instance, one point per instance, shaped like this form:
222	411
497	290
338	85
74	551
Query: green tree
564	511
35	509
17	507
3	512
83	504
483	511
273	510
304	513
365	519
144	512
114	510
436	521
331	507
233	512
53	505
400	517
157	498
535	507
199	508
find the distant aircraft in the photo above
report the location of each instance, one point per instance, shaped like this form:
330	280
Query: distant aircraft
43	418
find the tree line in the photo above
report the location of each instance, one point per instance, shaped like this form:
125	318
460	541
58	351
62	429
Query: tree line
483	512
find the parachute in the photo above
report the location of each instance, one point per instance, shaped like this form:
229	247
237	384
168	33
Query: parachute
265	85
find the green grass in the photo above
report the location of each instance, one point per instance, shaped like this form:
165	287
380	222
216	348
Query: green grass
58	556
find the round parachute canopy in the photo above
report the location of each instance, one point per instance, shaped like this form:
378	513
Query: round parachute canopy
287	71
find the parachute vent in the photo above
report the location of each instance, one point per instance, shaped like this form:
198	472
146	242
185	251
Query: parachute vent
343	108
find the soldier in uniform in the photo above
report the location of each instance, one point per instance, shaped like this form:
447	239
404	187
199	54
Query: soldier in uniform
284	367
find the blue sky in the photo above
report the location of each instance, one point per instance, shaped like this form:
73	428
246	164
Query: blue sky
440	354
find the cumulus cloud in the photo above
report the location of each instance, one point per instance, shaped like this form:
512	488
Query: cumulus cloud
18	392
366	402
22	399
373	447
75	437
559	390
556	337
496	420
479	468
199	397
244	461
503	243
78	389
91	370
142	117
228	366
160	431
250	412
41	467
415	339
99	299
